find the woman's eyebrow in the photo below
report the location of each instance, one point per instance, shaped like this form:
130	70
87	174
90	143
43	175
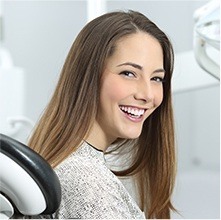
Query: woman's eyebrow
159	70
137	66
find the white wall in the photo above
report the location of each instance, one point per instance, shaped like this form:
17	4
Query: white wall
197	117
39	35
197	126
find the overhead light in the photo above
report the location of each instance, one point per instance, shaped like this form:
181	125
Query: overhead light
207	37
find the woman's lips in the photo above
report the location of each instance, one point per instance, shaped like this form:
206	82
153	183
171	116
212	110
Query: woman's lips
134	114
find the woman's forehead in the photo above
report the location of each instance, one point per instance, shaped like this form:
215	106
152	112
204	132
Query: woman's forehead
139	48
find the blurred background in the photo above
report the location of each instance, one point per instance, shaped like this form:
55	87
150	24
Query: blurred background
36	36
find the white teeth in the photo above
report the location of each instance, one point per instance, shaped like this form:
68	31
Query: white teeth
133	111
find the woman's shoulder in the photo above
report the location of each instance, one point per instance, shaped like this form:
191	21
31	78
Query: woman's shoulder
90	189
82	163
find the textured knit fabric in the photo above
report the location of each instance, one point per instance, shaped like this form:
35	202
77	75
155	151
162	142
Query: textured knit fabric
91	190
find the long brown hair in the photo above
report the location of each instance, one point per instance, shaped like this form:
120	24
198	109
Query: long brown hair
72	110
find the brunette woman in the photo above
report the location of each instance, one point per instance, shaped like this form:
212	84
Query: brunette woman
114	89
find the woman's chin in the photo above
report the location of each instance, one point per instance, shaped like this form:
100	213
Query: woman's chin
131	135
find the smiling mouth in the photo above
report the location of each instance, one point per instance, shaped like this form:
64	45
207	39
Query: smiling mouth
132	111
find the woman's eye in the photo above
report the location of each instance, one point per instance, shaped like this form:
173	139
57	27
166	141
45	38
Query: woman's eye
158	79
127	74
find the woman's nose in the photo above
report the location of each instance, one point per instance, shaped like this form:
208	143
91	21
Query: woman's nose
144	92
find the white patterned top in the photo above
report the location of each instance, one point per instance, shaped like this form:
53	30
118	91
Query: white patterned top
91	191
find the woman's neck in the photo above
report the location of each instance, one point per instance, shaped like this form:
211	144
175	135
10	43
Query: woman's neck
97	142
99	139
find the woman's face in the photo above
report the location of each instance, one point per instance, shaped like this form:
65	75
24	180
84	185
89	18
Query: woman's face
131	88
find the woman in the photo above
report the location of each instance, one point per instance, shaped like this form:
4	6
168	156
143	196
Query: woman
114	89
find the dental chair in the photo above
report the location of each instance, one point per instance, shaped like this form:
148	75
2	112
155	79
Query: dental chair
28	184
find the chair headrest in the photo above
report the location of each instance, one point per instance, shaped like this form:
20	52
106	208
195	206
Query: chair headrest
27	179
